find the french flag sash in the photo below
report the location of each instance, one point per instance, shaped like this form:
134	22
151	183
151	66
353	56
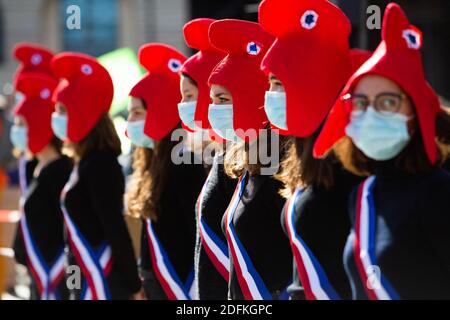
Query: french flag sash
104	256
168	278
47	277
311	274
94	270
250	282
376	285
215	248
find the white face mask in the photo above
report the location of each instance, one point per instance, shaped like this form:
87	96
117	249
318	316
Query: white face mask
380	136
19	137
275	107
59	125
186	111
135	130
220	117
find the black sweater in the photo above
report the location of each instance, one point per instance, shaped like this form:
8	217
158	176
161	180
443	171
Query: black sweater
95	204
217	195
321	220
175	226
412	234
257	225
42	210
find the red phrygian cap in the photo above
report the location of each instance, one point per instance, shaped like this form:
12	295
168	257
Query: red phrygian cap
86	91
160	88
397	58
36	107
33	58
200	65
310	56
245	44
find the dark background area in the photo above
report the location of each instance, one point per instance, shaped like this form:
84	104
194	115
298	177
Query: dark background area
431	16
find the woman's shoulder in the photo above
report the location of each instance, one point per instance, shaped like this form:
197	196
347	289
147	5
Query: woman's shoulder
57	169
98	163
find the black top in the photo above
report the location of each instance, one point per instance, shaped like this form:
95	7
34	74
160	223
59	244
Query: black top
321	220
257	225
95	204
217	195
41	206
175	226
412	235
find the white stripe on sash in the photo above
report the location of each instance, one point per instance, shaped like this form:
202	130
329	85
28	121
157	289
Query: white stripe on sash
165	272
84	253
217	250
312	276
250	282
378	288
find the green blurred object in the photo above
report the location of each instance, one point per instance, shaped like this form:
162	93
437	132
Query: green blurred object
125	70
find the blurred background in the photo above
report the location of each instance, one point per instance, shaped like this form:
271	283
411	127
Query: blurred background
113	30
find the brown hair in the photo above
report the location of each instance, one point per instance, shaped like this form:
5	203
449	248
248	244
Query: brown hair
189	78
237	157
443	126
150	176
411	160
300	169
103	137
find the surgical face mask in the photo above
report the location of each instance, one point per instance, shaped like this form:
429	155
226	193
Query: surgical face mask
19	137
380	136
186	110
275	107
137	136
220	117
59	125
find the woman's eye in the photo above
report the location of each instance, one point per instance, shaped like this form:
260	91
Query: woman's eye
359	104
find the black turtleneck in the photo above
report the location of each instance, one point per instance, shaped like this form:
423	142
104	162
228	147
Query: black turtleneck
321	220
412	235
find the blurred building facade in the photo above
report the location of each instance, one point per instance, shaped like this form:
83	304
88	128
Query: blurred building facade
105	25
109	24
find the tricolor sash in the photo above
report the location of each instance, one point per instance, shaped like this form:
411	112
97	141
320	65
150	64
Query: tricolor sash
47	277
164	270
312	276
90	263
215	248
376	285
250	282
104	256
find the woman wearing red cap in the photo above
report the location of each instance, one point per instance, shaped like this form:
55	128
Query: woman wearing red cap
92	200
162	191
39	239
385	122
211	252
259	254
312	41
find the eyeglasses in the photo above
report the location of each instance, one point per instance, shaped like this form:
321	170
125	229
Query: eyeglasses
383	102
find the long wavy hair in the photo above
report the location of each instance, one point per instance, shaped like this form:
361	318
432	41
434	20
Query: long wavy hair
149	179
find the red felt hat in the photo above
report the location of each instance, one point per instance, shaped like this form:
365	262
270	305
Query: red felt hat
32	58
160	88
245	44
310	56
200	65
36	107
86	91
397	58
